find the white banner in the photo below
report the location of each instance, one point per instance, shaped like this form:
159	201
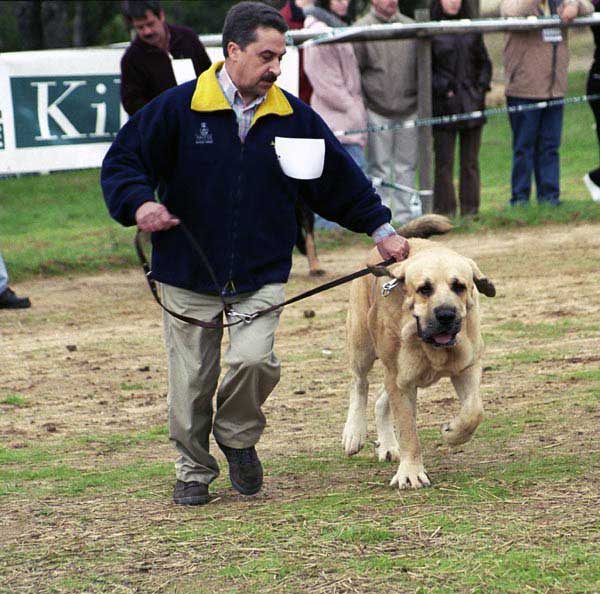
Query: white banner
61	109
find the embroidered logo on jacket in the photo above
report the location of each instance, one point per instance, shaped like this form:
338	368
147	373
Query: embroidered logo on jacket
204	136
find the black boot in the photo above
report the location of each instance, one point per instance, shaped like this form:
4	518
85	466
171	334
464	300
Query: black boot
8	300
245	469
191	493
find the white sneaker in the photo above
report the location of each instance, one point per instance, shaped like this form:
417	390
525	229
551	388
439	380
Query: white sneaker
593	189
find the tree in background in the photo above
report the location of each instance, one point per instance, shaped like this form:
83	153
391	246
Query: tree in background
43	24
29	21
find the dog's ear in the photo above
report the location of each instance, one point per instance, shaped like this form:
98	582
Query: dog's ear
398	271
483	283
486	286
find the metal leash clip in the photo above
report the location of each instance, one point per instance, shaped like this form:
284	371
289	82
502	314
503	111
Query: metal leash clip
246	318
386	288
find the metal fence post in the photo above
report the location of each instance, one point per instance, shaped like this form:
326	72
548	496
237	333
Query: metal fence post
424	111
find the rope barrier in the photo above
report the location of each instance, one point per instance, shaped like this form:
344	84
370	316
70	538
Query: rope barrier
472	115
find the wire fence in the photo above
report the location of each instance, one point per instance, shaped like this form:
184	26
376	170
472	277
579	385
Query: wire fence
472	115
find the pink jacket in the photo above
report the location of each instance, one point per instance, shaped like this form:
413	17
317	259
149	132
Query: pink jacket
333	73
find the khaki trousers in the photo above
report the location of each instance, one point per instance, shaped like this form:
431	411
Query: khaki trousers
392	156
194	367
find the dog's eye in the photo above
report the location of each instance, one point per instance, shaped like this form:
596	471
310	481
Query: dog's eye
458	287
425	289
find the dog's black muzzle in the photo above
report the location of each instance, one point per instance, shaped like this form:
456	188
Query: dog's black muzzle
441	330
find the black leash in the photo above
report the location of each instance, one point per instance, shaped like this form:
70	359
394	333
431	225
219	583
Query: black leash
242	317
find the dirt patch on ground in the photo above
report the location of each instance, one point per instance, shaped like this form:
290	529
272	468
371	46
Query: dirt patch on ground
88	356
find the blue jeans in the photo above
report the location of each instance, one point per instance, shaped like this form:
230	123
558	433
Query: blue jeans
535	142
3	275
357	152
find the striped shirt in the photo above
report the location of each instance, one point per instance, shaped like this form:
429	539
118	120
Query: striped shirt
244	114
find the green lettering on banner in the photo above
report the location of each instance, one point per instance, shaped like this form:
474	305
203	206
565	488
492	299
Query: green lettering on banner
76	109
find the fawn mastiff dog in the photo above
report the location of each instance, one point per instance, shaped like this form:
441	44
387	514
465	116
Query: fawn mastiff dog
422	321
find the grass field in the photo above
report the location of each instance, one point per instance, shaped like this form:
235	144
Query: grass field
86	467
58	223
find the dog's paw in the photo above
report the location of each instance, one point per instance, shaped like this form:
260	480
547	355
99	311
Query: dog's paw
354	436
410	475
387	452
455	435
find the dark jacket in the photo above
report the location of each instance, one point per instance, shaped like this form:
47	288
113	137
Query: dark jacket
146	69
234	197
459	63
596	32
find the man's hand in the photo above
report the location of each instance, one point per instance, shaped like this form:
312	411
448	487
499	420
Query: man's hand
393	246
152	216
568	11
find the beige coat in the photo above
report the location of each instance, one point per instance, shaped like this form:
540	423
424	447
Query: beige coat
528	59
388	70
336	97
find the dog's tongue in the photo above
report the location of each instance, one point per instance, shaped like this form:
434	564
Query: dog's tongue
443	338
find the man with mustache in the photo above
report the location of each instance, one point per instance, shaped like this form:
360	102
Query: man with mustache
146	66
208	145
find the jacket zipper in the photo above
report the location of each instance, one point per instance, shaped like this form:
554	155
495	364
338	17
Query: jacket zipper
230	287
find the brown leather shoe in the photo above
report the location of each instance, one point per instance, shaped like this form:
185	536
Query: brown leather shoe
190	493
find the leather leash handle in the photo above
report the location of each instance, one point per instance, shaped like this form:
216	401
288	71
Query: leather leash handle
326	286
154	291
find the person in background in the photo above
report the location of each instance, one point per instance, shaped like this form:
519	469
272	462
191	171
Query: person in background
208	145
8	299
306	219
535	66
389	84
461	75
146	66
293	14
333	73
592	179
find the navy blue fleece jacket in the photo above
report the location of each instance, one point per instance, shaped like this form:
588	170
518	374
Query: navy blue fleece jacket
233	196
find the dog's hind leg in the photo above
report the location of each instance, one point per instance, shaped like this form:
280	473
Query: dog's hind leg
355	429
361	352
387	447
461	428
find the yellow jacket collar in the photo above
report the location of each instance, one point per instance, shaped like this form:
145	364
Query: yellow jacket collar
208	96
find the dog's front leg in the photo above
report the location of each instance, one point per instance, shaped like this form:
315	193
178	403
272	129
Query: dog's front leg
411	472
461	428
